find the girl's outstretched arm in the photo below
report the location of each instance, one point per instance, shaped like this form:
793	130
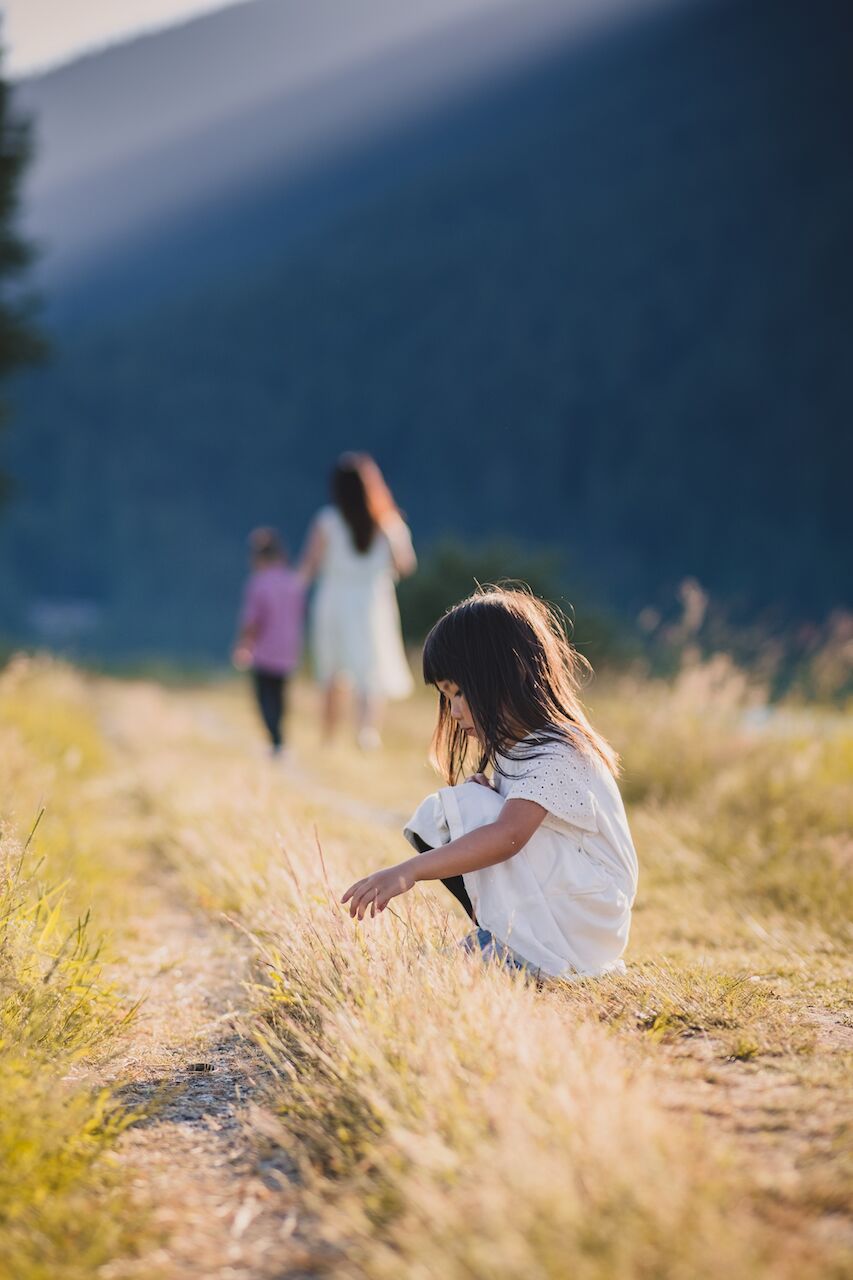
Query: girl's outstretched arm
484	847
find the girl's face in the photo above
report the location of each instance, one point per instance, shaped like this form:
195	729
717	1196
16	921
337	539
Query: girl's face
459	709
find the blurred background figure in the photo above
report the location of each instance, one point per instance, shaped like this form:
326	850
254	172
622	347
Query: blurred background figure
357	549
578	272
271	626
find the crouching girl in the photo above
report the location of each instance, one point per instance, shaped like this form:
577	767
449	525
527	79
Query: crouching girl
535	844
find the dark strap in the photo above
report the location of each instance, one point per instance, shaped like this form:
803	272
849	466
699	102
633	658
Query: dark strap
455	884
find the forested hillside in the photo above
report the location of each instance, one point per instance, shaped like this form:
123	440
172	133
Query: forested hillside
605	305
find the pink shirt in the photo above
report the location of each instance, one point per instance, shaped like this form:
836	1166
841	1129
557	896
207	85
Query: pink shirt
274	605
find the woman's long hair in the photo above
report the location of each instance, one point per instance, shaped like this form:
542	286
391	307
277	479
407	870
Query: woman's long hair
509	654
361	495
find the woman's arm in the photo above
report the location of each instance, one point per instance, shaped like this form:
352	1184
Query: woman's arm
484	847
403	556
312	554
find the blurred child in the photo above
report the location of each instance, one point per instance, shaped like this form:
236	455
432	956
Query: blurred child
540	853
271	626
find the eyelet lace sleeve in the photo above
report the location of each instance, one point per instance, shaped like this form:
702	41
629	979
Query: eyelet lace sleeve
560	779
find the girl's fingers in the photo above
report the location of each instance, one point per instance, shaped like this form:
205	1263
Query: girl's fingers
363	896
353	894
360	903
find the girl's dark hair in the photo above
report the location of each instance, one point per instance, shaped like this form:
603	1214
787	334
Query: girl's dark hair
266	545
361	495
509	654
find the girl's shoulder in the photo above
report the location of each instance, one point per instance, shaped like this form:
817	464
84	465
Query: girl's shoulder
553	748
557	762
553	772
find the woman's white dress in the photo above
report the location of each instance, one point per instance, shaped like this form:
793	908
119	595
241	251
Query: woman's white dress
355	618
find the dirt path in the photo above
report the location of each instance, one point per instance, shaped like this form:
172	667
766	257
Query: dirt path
222	1206
219	1207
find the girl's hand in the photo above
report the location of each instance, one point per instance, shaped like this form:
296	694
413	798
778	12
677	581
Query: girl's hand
481	780
376	891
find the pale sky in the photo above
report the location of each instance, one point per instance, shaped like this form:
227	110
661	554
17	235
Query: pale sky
42	33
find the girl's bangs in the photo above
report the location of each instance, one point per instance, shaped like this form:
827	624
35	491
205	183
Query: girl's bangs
438	657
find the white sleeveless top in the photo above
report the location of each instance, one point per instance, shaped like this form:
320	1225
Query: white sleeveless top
355	619
343	563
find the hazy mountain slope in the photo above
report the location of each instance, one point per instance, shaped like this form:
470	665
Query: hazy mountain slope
607	306
182	118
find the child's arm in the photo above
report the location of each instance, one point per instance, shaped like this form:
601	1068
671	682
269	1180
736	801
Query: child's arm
484	847
250	623
244	645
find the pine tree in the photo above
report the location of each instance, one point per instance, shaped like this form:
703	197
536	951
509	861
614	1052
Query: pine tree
20	341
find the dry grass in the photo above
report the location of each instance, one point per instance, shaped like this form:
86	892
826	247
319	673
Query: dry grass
63	1208
685	1120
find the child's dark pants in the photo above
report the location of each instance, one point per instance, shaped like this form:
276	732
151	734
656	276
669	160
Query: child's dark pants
270	691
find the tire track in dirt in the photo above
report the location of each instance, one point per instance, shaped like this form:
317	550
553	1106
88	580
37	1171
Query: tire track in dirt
221	1203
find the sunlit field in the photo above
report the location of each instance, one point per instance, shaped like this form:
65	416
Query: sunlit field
436	1117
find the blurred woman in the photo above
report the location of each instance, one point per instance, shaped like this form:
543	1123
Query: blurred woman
357	549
